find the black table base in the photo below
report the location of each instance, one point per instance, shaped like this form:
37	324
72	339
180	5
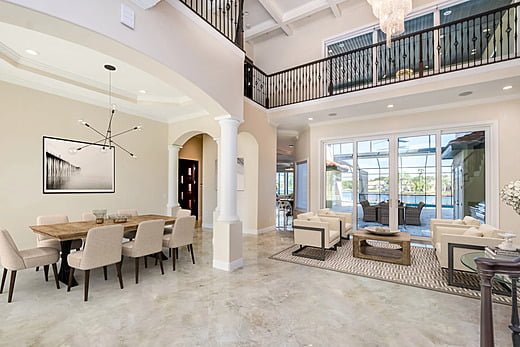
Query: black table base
64	273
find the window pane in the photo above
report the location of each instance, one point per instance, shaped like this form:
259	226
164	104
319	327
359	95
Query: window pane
301	186
339	177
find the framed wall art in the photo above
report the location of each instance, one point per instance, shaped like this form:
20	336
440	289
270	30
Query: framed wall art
71	166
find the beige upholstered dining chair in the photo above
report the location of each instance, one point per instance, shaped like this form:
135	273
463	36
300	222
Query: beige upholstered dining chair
46	241
13	259
148	240
128	212
182	212
182	235
103	247
88	216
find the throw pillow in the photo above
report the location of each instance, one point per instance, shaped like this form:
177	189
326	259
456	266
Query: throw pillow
458	221
488	231
473	232
331	213
471	221
315	219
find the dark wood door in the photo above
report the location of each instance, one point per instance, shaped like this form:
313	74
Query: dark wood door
189	185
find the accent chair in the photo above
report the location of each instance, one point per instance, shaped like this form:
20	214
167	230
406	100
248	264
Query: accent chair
316	232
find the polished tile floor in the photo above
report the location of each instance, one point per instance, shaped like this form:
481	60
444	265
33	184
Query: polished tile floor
267	303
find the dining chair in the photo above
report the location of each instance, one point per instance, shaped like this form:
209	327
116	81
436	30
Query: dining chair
132	213
88	216
148	240
182	212
14	260
103	247
46	241
182	235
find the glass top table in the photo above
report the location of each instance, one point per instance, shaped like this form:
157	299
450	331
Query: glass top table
468	260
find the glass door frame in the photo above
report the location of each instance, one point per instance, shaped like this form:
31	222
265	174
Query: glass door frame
491	169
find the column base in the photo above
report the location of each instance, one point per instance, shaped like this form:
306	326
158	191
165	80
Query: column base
227	245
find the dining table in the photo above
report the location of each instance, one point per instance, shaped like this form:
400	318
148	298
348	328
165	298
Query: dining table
66	232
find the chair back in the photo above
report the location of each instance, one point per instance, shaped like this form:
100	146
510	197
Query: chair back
88	216
182	212
103	246
149	236
365	203
182	233
9	253
128	212
50	219
421	205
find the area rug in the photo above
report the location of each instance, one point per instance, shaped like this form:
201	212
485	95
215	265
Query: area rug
424	271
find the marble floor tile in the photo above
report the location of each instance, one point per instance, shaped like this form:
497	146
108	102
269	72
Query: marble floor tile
267	303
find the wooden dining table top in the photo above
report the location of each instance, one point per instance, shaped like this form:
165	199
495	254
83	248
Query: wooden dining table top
78	230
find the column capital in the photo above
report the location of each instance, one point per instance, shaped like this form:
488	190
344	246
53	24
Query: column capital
227	118
174	147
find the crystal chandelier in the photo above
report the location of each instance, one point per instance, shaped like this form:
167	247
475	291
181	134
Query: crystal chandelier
107	140
391	15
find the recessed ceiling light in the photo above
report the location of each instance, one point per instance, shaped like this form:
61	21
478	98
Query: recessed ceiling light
486	30
469	92
507	87
310	118
333	114
390	106
447	13
31	52
142	91
291	146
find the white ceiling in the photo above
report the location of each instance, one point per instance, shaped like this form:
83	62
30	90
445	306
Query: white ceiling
275	17
77	72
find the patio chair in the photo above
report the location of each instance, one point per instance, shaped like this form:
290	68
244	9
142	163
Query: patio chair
413	214
369	212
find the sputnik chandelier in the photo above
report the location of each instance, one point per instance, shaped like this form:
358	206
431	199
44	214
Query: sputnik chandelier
391	15
108	138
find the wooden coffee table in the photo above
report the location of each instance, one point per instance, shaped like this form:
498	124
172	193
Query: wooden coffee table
363	250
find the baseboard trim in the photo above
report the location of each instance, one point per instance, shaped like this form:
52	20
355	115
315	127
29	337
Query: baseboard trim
259	231
234	265
266	230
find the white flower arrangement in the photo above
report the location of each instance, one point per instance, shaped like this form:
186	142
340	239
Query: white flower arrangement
510	194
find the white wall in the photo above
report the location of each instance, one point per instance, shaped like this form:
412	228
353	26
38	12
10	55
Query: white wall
506	114
27	115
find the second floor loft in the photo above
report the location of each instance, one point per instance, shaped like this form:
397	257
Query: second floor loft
476	33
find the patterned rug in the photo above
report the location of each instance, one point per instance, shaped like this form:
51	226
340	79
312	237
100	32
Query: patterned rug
424	271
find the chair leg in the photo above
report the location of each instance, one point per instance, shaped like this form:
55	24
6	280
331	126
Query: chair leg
170	252
87	280
105	272
176	253
4	275
159	256
11	286
136	270
145	262
37	268
71	276
118	268
46	272
173	258
192	256
55	272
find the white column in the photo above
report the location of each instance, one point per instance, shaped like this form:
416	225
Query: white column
173	178
227	228
227	195
217	140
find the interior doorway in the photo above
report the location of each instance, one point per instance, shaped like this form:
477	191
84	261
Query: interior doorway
188	185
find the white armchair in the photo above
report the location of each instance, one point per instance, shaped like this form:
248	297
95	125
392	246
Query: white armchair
318	232
462	224
345	217
483	236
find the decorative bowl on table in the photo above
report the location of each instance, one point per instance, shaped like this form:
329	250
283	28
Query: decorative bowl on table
118	218
381	231
100	215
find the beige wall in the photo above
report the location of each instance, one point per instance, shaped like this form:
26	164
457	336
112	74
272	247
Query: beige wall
209	180
165	43
505	114
257	124
27	115
192	149
247	197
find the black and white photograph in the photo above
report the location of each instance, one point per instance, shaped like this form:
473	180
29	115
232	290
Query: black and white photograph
77	167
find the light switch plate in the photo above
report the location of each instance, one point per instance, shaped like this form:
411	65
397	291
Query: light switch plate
127	16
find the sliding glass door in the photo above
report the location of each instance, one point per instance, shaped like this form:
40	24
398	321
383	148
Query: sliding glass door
404	181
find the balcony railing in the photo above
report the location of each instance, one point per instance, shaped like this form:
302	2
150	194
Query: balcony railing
226	16
483	39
